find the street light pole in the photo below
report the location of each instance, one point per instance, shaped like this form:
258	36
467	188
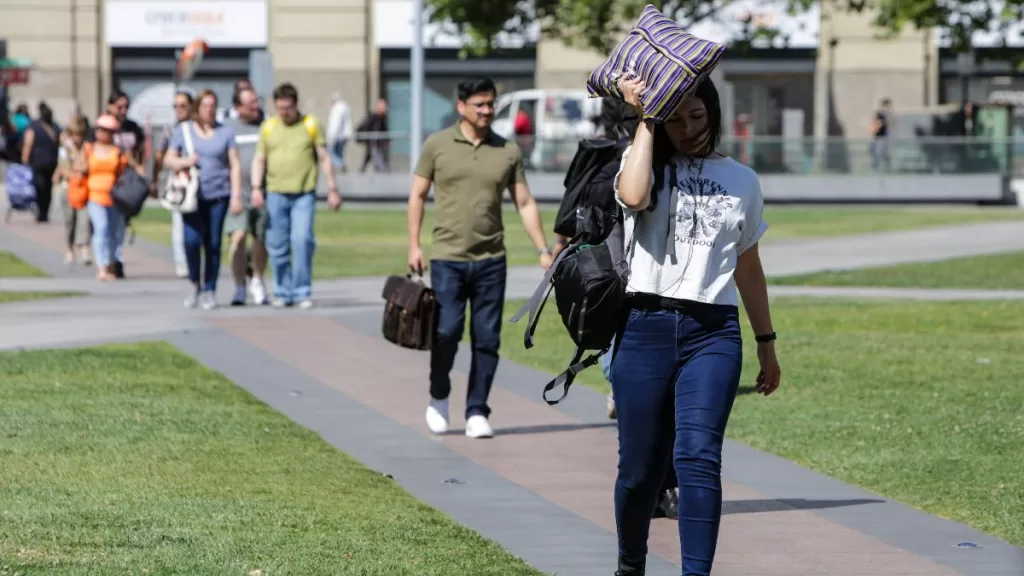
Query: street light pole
416	86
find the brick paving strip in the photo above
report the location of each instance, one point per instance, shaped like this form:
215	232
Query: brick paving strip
542	488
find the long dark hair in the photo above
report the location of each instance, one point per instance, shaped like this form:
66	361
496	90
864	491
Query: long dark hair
617	120
664	149
46	113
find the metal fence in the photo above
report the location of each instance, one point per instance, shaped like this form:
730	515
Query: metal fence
792	156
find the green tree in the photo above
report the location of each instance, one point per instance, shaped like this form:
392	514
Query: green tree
592	24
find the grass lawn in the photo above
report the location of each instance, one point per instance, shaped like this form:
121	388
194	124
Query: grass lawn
919	402
137	460
24	296
13	267
803	221
372	242
360	242
992	272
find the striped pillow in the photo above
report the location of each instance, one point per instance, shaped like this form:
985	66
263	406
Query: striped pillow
671	63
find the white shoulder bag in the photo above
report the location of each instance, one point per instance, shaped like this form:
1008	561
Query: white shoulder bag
181	193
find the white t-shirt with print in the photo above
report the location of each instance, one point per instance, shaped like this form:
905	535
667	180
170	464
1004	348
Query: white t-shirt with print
718	216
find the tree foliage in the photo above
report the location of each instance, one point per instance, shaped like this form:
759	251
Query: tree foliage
591	24
600	24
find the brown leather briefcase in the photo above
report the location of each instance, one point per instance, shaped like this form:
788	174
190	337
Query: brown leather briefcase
409	312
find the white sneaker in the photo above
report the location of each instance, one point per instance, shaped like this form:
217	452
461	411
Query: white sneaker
437	416
192	298
306	304
279	303
478	427
258	291
207	301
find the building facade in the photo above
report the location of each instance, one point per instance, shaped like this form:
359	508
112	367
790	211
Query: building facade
83	49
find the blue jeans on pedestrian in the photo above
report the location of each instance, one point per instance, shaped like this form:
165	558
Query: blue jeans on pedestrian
204	229
482	285
107	233
290	244
337	151
674	379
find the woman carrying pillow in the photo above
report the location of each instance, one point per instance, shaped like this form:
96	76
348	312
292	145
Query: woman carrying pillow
214	152
694	217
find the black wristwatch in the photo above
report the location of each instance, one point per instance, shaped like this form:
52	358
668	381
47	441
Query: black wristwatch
545	250
765	338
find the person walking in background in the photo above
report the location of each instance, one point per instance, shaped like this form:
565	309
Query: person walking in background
131	139
470	168
183	105
339	130
373	132
21	118
40	150
102	163
880	136
77	229
252	221
210	146
290	148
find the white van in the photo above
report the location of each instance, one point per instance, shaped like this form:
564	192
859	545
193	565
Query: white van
558	118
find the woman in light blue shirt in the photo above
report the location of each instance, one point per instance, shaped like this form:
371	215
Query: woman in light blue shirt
220	183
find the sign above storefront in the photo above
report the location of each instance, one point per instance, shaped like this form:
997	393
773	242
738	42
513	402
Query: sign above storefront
234	24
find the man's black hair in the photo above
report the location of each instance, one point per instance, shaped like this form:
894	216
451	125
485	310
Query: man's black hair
286	92
117	95
473	86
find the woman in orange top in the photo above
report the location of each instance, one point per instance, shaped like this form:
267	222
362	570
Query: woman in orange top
103	163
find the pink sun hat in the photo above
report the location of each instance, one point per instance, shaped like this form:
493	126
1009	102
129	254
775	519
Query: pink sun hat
108	122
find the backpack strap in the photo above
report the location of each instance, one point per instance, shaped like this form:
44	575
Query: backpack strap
673	209
536	302
565	379
310	123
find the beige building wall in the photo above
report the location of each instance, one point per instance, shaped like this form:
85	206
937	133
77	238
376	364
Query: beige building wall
63	39
559	66
861	68
323	47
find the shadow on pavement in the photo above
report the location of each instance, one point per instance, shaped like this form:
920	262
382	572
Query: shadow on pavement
789	504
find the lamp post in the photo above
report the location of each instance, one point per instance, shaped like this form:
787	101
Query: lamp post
416	86
965	68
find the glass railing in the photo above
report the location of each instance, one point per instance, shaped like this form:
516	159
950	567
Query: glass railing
771	155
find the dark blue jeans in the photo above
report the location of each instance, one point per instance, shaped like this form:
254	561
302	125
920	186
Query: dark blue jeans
674	378
204	230
482	285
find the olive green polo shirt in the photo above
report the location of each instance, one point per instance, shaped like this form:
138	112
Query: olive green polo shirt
469	184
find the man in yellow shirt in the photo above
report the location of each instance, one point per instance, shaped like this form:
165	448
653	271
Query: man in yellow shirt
291	146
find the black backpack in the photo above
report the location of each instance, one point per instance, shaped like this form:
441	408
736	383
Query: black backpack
590	274
589	216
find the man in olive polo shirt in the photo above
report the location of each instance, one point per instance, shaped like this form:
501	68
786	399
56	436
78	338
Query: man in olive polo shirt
290	147
470	168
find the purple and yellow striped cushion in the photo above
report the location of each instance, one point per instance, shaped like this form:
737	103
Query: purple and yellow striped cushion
671	62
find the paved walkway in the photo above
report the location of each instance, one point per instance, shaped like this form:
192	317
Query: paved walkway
542	488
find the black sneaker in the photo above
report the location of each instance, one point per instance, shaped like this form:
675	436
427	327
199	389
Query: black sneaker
119	270
668	505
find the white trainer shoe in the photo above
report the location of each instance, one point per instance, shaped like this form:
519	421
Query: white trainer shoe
478	427
258	291
437	416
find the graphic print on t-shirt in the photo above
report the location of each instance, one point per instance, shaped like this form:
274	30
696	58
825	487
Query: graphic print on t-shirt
703	205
